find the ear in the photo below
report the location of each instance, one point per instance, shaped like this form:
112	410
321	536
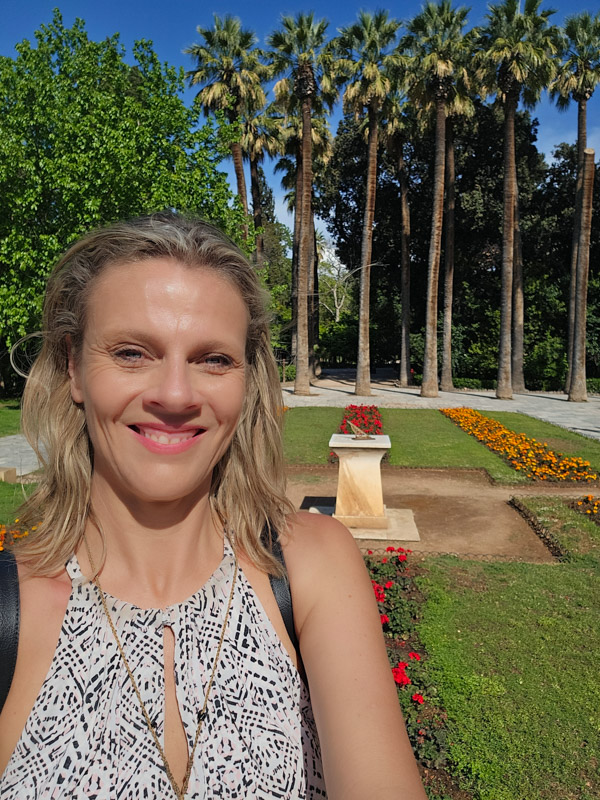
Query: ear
74	376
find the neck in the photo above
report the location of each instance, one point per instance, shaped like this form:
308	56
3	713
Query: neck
156	554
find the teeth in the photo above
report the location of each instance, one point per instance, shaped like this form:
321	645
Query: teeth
164	438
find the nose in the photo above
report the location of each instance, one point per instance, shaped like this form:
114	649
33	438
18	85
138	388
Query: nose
173	389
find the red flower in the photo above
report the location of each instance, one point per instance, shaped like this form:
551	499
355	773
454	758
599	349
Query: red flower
402	664
384	619
401	550
384	560
418	698
390	549
400	676
401	558
389	584
416	656
369	552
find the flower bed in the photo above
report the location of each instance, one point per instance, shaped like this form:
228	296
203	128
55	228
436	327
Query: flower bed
12	533
589	505
533	458
398	602
367	418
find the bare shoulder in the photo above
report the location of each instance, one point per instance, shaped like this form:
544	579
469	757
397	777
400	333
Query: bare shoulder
323	562
313	539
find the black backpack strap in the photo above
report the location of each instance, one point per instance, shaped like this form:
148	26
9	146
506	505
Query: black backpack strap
281	587
9	621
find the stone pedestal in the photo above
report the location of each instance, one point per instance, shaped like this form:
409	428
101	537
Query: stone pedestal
8	474
359	502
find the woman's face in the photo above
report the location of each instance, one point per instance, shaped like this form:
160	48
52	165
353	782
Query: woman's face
161	376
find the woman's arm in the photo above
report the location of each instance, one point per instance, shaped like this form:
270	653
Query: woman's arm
365	747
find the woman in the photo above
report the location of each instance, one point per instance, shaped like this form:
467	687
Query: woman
157	664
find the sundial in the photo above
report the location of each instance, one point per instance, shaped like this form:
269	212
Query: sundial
358	433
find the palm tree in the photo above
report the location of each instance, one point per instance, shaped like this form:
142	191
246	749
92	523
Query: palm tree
230	74
394	137
460	105
435	45
298	53
578	388
261	134
578	78
291	167
515	60
366	62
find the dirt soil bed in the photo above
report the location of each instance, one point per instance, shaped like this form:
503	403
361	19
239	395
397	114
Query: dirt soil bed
456	511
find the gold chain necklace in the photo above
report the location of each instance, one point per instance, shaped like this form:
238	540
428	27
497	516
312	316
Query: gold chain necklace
180	791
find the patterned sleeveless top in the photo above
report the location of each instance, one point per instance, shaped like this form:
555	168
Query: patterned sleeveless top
86	738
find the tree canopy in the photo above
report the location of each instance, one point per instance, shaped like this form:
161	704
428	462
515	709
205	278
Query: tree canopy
88	139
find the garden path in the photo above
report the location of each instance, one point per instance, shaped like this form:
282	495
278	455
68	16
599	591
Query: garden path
456	511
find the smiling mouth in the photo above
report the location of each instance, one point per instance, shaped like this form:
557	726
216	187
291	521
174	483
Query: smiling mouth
162	437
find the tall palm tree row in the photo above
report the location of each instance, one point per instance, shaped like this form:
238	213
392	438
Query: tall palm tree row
516	59
366	62
439	70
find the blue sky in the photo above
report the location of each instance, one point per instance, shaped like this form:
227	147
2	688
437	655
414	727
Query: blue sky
172	27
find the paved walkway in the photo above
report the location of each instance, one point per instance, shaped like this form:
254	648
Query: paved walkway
338	391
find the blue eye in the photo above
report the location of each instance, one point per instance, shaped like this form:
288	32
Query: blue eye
128	354
217	362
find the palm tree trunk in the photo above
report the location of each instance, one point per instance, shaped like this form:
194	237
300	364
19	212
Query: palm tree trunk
238	165
446	383
296	250
429	387
578	388
313	301
581	145
405	376
518	300
363	365
256	211
504	385
302	383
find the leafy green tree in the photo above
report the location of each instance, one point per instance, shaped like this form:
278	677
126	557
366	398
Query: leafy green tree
88	139
516	59
436	50
230	73
299	55
366	60
577	78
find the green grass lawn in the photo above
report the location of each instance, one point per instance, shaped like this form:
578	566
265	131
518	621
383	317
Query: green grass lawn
10	417
513	652
11	497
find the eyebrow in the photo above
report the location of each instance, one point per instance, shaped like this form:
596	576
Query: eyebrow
124	335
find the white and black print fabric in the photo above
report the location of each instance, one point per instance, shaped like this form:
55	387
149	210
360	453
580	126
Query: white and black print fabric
86	737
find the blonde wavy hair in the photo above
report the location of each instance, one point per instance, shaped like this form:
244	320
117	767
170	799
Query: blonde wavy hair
248	483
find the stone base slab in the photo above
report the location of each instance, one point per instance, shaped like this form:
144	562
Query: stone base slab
8	474
401	525
363	521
